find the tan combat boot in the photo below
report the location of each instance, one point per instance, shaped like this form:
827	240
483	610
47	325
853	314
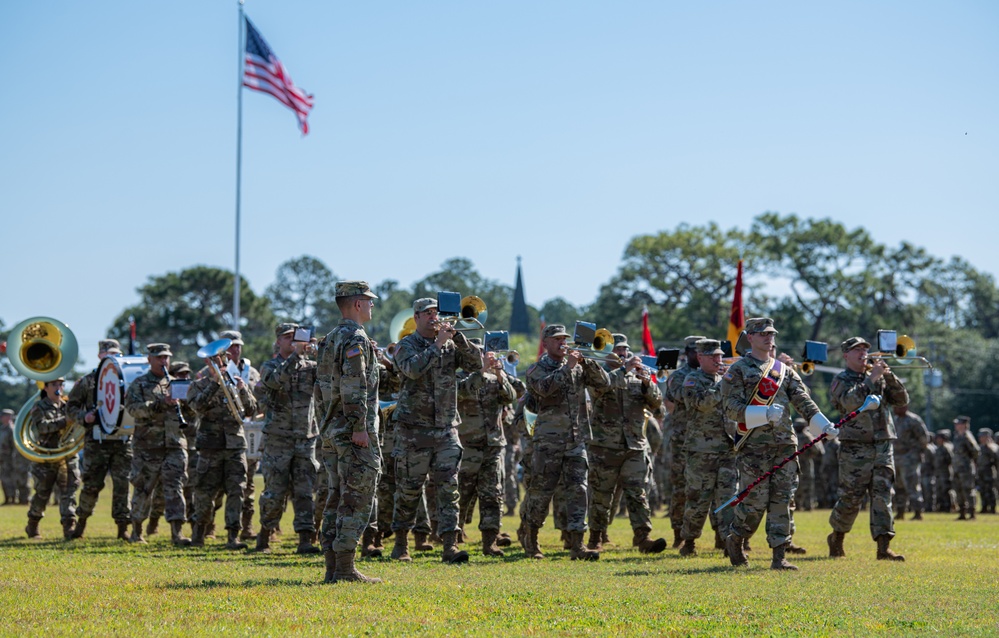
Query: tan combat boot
176	537
136	536
605	540
246	532
452	555
835	541
688	548
234	542
779	562
734	546
489	547
421	543
153	526
577	551
503	540
566	540
719	541
595	543
533	546
791	548
198	535
647	545
330	556
81	525
32	528
884	553
401	550
122	531
68	527
346	571
263	541
677	540
368	549
305	545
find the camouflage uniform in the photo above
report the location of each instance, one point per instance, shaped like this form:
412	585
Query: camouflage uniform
50	420
909	449
929	478
387	485
619	450
767	446
966	453
251	376
8	462
808	462
828	479
678	432
943	472
560	434
222	452
289	459
482	396
866	462
988	467
512	455
426	427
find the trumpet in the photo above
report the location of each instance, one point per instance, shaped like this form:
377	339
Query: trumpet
212	354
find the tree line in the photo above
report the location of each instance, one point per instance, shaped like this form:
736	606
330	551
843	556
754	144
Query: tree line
819	280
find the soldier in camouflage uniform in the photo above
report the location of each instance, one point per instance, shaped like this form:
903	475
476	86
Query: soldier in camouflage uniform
710	474
866	460
426	417
673	397
289	459
482	395
222	455
966	453
348	379
943	472
929	478
6	460
558	382
102	454
829	475
808	463
619	450
988	468
159	446
50	419
756	393
909	448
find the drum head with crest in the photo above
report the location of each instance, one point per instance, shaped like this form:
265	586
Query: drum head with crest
114	375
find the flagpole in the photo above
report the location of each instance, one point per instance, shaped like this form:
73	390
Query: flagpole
239	163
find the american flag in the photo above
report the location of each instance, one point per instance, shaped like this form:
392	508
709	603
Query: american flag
264	72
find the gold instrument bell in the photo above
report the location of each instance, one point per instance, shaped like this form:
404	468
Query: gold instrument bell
42	348
603	340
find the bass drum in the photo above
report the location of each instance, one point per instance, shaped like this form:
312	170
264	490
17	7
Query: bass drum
114	375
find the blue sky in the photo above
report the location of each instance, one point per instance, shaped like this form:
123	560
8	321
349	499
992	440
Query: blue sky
552	130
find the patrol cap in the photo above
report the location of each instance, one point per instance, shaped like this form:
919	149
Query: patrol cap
944	434
709	346
7	411
424	303
620	339
179	366
285	328
853	342
159	349
352	288
962	419
235	335
554	330
691	341
760	324
110	346
983	432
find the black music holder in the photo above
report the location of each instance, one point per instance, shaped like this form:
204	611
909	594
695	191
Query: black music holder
448	304
497	340
584	334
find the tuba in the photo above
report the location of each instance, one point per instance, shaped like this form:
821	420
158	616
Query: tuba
43	349
212	354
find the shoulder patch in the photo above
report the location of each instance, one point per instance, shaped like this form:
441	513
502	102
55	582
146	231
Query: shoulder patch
689	382
353	351
728	376
531	369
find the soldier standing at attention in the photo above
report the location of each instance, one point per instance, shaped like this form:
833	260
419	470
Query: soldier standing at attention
866	462
49	417
943	471
988	466
619	451
909	448
289	459
6	460
756	393
710	473
222	454
673	396
966	453
426	417
558	382
350	425
159	446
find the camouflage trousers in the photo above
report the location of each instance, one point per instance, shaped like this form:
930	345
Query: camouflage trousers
943	494
909	490
609	467
289	466
99	460
326	456
929	485
353	477
46	476
421	453
481	476
677	468
220	470
711	480
246	519
771	497
511	490
964	490
552	460
166	468
804	496
865	469
19	470
385	503
192	478
987	491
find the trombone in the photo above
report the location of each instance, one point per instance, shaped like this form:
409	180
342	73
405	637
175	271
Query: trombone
212	354
904	355
472	316
600	349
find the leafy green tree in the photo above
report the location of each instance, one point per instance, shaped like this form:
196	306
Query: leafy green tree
304	292
190	308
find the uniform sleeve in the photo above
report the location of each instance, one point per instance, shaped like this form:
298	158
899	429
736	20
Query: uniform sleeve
413	362
848	392
544	384
468	357
248	400
270	375
895	392
48	421
200	394
735	394
799	396
507	393
353	385
79	397
700	395
921	434
594	376
469	386
518	386
139	404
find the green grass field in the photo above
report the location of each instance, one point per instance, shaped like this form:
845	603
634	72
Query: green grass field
97	585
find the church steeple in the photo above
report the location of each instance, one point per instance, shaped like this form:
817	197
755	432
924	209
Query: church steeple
518	315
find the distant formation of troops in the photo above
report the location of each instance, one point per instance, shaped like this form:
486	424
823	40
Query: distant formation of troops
367	446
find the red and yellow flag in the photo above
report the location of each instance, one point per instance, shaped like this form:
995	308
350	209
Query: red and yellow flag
737	318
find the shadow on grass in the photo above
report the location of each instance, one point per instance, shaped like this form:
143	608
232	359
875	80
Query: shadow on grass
211	583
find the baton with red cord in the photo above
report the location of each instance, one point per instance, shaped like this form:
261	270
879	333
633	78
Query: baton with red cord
870	403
